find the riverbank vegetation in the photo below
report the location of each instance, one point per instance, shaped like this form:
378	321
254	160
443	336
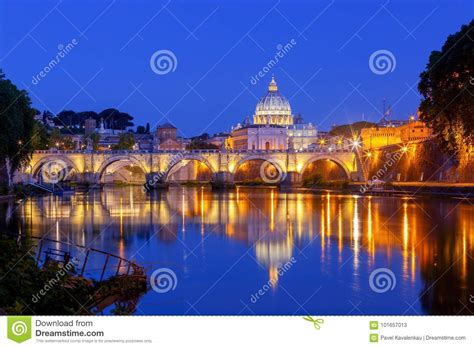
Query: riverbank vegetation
54	288
447	87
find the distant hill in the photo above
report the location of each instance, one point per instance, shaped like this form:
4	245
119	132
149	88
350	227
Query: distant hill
349	130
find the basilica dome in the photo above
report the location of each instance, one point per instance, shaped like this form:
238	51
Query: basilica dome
273	108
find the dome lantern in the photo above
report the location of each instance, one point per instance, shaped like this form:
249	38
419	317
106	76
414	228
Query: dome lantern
273	108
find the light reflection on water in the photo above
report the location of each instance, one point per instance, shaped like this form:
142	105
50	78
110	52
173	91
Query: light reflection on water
226	246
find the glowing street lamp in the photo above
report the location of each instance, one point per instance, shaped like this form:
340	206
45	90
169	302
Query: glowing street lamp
355	144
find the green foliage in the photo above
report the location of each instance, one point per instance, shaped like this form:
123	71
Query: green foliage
16	125
447	87
126	142
60	141
197	144
53	290
40	137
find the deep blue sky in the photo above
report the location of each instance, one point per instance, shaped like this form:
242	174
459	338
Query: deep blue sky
219	46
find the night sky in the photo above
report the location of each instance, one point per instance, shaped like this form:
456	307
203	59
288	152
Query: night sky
219	46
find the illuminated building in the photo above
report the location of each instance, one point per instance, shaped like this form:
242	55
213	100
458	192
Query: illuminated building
388	134
301	135
166	138
259	137
273	127
273	108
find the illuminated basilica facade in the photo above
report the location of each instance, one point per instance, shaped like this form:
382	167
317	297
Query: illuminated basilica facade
273	108
273	126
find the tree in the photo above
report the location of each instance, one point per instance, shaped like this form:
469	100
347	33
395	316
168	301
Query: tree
147	128
40	137
126	142
447	87
66	118
115	119
201	145
60	141
141	130
16	128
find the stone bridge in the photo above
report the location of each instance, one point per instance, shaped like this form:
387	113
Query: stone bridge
89	167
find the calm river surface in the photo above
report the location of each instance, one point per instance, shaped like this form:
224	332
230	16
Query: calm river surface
263	251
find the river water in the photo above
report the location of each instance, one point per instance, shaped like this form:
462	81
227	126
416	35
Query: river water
263	251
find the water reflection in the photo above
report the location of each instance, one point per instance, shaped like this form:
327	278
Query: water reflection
337	239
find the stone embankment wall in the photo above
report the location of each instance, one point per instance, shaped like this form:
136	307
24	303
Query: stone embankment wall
418	162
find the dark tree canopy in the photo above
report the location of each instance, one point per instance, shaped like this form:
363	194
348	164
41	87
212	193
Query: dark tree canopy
141	130
16	126
201	145
115	119
447	87
112	118
126	142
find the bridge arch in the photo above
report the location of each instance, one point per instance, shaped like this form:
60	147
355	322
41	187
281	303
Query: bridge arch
324	157
271	169
69	167
126	160
180	162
